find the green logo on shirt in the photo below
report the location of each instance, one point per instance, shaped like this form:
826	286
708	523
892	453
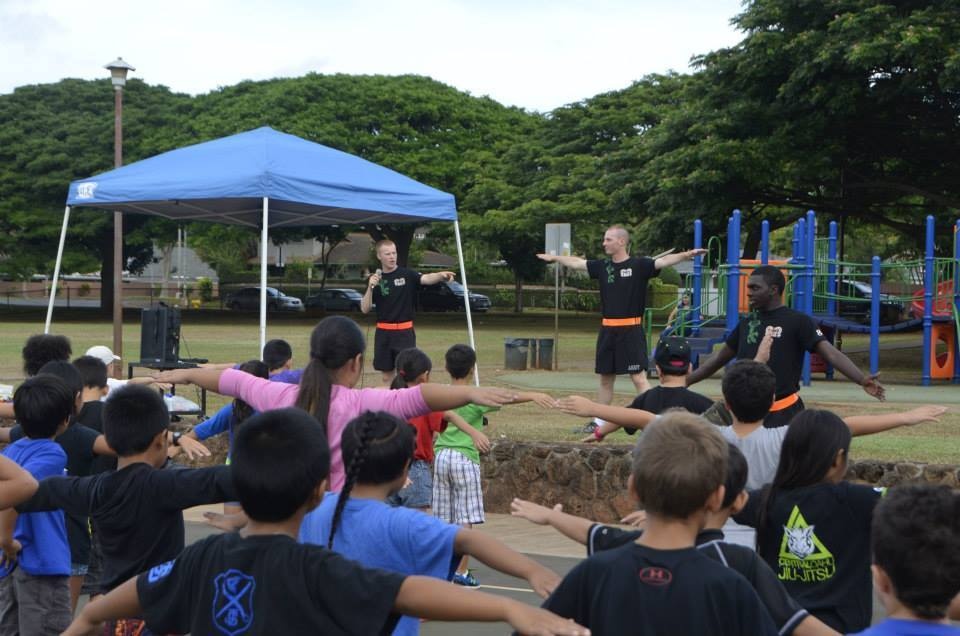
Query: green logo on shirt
753	329
384	288
803	558
610	271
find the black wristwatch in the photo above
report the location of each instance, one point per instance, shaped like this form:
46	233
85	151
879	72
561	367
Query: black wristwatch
175	440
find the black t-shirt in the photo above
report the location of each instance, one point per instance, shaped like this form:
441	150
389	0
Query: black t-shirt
660	398
794	333
77	442
817	541
266	584
785	612
136	511
396	295
91	416
634	589
623	285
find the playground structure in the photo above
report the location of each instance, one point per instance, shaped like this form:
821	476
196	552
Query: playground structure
819	284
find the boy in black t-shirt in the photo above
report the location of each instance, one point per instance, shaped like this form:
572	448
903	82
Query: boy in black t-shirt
915	538
662	584
672	359
262	581
785	612
136	510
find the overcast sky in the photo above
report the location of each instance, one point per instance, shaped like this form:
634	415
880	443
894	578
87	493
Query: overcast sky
534	54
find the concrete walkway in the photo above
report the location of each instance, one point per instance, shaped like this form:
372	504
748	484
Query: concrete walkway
821	391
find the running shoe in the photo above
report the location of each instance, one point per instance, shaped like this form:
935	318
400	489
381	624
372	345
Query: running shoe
466	579
587	428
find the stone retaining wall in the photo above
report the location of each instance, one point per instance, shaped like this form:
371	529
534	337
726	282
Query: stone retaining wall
589	480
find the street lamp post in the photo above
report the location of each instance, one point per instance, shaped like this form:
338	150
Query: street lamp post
118	74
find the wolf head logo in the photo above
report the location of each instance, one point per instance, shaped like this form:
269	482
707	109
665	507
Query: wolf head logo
800	541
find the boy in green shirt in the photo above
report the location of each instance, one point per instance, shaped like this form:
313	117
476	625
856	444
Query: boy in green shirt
457	496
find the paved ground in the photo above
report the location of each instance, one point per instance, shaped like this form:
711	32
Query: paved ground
820	391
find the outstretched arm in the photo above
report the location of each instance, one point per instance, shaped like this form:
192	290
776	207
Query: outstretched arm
540	399
121	602
870	383
581	406
366	303
208	379
6	411
672	259
438	600
16	484
498	556
870	424
571	526
443	398
436	277
712	365
572	262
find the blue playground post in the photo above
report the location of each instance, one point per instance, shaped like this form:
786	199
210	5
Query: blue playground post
928	282
875	315
832	270
809	253
956	298
800	258
733	271
695	297
795	260
765	242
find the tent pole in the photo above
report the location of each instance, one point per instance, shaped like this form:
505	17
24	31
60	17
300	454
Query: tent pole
56	269
466	300
263	277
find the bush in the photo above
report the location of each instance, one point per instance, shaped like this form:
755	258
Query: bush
84	289
205	286
296	271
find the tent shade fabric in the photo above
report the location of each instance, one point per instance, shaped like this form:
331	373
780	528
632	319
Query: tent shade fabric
225	181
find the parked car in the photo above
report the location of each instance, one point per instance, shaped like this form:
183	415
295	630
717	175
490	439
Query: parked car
448	296
335	299
855	303
249	298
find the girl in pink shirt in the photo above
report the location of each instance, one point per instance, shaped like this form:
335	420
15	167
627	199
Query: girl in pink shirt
327	391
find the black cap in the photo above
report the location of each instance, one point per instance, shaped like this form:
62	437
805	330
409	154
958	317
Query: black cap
673	354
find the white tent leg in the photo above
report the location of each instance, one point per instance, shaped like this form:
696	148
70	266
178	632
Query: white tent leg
263	277
56	269
466	300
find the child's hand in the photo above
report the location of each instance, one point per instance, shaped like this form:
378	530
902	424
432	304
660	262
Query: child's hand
81	626
576	405
227	523
11	550
543	581
193	449
921	414
542	400
637	519
481	441
763	350
535	513
539	622
491	397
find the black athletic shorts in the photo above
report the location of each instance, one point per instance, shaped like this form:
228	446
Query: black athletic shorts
621	350
775	419
388	343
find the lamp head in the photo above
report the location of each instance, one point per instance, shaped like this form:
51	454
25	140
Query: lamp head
118	72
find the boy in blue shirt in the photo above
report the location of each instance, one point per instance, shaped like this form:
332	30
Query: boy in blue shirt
35	593
916	560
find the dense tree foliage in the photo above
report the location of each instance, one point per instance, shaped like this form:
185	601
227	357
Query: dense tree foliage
848	107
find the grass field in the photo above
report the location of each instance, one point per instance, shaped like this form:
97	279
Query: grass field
226	337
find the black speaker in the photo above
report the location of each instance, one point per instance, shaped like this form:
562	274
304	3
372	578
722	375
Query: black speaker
160	335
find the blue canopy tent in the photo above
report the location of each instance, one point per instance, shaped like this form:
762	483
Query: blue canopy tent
262	178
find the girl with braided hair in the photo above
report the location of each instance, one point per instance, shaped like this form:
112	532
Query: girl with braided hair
327	389
378	449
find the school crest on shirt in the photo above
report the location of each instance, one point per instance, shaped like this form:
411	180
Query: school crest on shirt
803	558
233	602
399	282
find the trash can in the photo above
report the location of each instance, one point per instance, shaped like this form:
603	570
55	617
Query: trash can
515	353
545	353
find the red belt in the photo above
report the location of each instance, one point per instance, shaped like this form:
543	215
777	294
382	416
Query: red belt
622	322
783	403
395	326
